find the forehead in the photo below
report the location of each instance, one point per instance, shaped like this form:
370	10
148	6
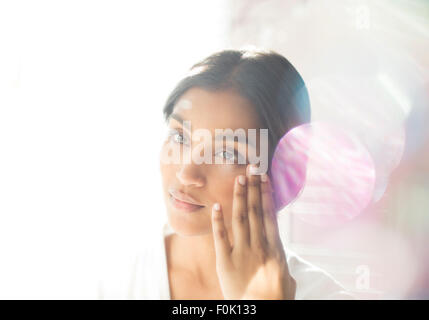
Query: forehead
216	109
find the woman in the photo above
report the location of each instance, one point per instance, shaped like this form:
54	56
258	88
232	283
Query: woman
222	240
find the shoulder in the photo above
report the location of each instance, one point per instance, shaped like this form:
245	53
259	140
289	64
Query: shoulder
313	282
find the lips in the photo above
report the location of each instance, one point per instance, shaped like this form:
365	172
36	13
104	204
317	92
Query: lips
184	202
183	197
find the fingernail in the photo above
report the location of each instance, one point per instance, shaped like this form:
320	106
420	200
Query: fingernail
264	177
242	180
216	206
253	170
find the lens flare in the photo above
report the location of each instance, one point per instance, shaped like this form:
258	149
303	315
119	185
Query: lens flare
331	168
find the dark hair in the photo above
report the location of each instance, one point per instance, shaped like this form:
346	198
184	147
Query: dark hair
265	78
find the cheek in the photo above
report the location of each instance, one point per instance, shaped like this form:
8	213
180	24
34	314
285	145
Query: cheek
167	173
224	189
168	159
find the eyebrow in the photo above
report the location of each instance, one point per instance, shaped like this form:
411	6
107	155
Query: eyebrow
179	118
231	137
176	117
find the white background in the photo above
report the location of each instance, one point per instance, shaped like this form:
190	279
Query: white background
82	89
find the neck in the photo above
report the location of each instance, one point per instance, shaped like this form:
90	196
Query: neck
194	255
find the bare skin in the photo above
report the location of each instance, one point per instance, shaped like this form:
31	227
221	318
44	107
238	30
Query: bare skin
234	252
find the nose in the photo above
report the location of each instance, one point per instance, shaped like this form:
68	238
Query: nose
189	175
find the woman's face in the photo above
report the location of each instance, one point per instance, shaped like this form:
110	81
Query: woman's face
205	183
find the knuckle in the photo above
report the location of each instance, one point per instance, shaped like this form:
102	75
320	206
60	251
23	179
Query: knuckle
221	234
267	188
259	247
253	208
240	192
264	188
266	212
241	217
254	181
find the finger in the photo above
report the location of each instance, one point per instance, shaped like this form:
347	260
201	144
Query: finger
254	209
269	214
220	234
240	220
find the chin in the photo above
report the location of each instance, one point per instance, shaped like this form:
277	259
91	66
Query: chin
185	225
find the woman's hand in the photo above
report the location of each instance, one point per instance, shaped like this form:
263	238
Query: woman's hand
255	266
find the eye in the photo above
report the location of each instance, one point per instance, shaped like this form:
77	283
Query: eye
230	156
227	155
176	137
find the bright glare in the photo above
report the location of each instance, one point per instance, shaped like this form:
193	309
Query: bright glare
82	85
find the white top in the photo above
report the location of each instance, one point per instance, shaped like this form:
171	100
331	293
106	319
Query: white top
145	276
